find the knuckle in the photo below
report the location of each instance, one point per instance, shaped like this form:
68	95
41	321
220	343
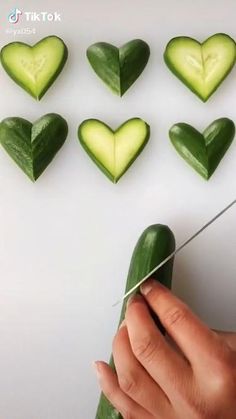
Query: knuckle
223	383
145	348
175	315
111	393
128	383
206	414
202	414
201	409
199	406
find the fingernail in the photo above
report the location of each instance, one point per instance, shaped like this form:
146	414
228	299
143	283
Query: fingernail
122	324
130	300
97	368
147	287
133	298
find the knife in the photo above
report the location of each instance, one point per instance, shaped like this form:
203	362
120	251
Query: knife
175	252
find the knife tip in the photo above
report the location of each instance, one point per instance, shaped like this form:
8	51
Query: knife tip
116	303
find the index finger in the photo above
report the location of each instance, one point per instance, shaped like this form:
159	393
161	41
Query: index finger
193	337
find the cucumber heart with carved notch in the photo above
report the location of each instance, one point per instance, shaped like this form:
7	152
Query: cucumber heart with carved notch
114	151
201	67
35	68
120	67
203	151
33	146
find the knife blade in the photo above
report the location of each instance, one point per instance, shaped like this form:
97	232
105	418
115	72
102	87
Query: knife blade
184	244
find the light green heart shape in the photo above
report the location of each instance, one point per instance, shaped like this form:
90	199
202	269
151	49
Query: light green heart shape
35	68
202	67
114	151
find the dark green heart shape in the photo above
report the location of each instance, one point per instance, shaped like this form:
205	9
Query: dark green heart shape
203	151
33	146
120	67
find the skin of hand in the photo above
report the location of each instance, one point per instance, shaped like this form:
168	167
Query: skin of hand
194	378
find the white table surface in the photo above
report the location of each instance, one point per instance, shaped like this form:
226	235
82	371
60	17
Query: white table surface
66	241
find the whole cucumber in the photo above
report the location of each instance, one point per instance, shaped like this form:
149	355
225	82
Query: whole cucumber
154	245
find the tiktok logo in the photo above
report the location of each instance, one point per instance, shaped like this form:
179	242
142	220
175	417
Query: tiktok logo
14	16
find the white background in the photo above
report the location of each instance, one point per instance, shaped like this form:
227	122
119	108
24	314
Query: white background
66	241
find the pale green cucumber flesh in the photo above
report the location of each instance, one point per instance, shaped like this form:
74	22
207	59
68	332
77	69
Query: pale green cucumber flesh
155	244
114	151
35	68
202	67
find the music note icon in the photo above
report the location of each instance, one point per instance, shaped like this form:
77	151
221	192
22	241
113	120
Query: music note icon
14	16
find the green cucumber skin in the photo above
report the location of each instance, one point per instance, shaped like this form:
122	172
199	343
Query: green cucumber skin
115	66
209	146
19	130
57	131
181	131
221	128
127	75
179	75
101	167
31	140
50	82
108	71
154	245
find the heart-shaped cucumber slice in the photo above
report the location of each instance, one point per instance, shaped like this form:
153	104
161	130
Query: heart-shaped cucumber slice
120	67
33	146
203	151
35	68
114	151
202	67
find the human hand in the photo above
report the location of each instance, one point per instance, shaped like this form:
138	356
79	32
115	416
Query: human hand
193	379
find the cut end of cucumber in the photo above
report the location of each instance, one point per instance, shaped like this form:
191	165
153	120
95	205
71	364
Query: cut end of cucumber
114	151
35	68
